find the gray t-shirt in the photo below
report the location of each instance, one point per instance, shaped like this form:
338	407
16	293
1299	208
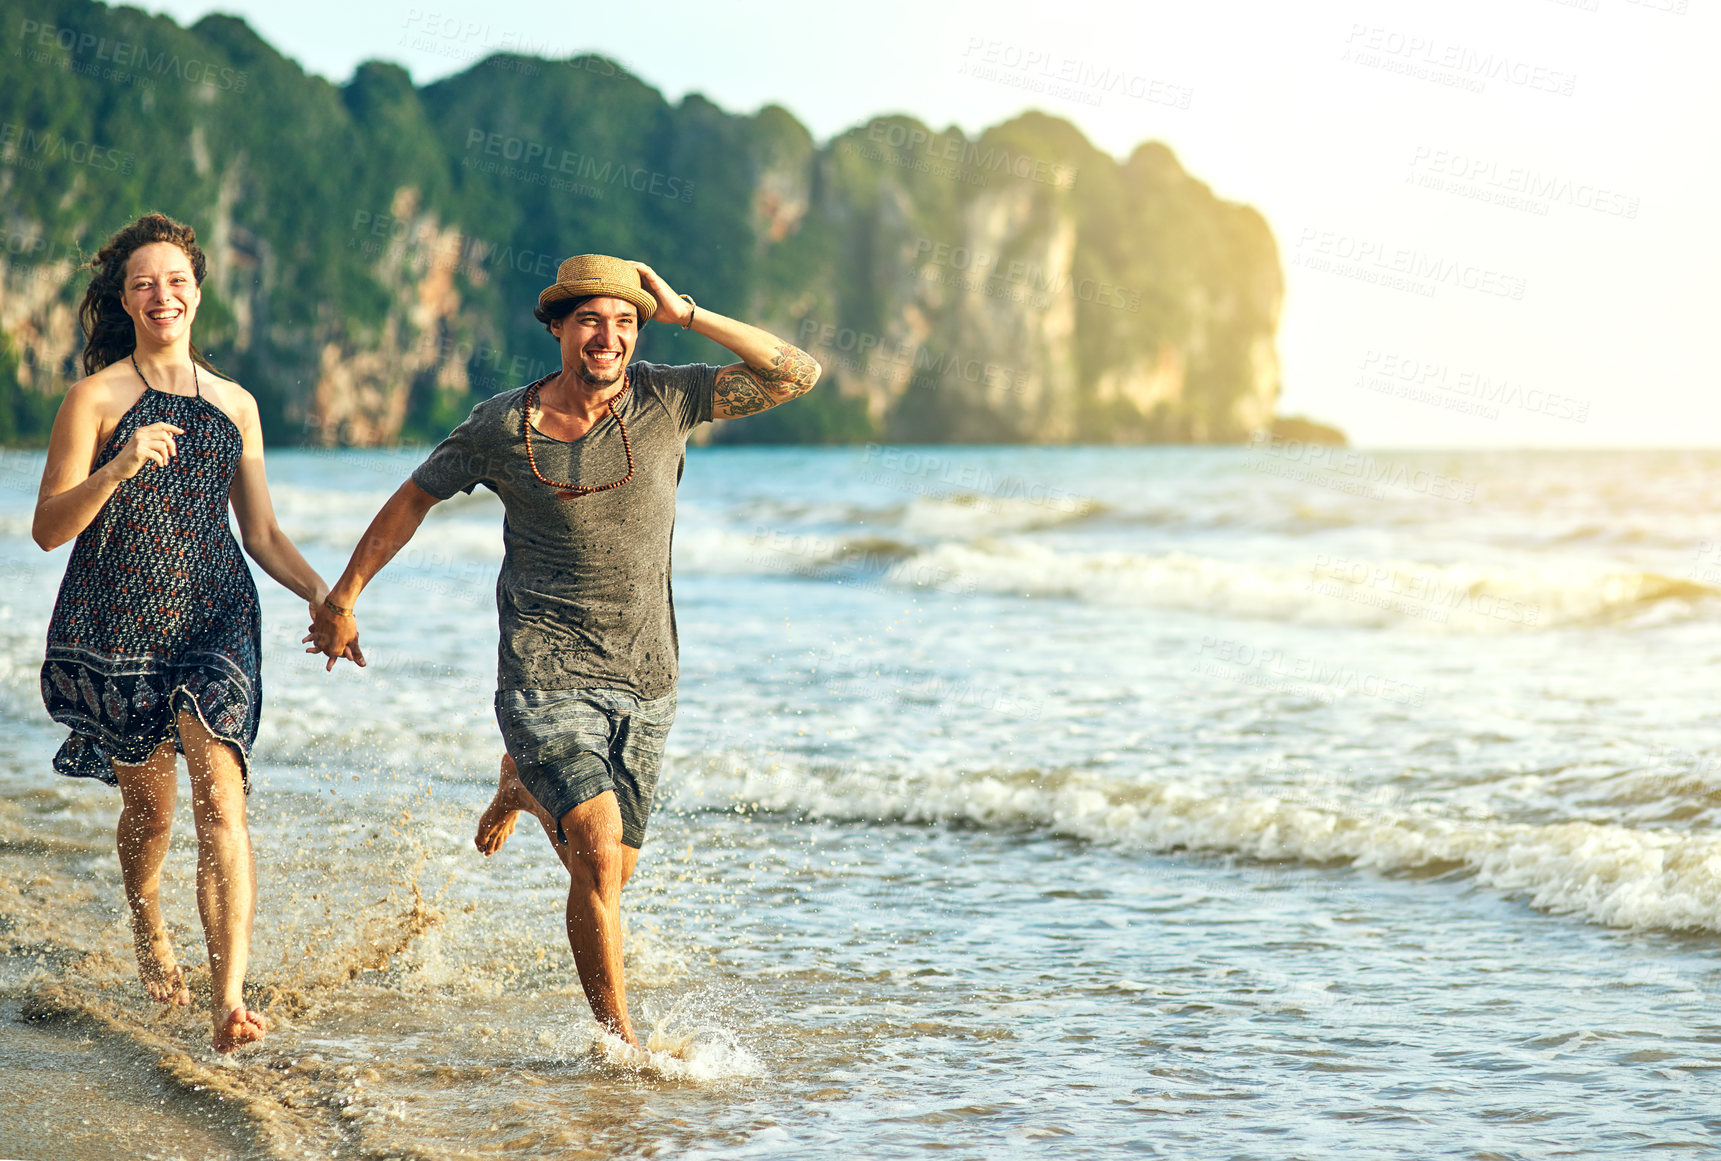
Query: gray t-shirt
584	594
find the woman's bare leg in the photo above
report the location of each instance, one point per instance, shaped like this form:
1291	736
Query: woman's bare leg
226	880
145	826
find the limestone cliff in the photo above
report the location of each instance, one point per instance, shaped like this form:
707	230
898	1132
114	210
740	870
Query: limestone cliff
375	248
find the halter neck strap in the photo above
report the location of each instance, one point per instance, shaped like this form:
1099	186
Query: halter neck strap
196	384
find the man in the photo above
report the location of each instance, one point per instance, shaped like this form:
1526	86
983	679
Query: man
586	463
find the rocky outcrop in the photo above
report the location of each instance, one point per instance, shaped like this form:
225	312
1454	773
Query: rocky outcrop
1031	289
38	320
364	381
372	270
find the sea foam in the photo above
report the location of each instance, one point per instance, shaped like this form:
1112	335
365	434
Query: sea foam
1321	589
1613	875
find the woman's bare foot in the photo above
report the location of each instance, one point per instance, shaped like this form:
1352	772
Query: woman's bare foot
499	818
162	976
242	1026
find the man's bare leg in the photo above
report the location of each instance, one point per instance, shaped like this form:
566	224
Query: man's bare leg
226	880
145	826
599	865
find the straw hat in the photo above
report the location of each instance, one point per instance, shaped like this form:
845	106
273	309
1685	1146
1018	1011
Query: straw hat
584	275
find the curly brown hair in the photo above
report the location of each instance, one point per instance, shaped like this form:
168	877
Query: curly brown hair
556	310
109	333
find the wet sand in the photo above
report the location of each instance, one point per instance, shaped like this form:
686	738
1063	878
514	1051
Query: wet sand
110	1097
384	1034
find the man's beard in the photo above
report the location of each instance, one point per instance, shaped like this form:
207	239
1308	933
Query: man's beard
595	378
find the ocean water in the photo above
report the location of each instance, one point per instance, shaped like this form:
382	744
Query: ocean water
1191	803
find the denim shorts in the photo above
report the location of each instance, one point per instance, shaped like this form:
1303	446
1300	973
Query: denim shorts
571	745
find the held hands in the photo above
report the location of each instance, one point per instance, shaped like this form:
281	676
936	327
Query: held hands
334	635
671	307
150	444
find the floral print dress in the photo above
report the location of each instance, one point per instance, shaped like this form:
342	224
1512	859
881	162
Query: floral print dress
157	612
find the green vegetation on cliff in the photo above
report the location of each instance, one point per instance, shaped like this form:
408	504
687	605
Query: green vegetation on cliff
376	248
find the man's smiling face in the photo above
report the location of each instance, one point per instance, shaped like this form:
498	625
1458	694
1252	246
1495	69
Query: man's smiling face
598	338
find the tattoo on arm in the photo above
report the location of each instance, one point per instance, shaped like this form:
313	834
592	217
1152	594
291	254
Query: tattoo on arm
749	390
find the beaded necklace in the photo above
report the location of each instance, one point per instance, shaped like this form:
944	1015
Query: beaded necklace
573	491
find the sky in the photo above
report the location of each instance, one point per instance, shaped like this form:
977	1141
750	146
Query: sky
1494	215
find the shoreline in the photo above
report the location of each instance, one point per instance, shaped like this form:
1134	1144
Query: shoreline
111	1092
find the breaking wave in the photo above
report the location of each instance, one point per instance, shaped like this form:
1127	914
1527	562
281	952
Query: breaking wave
1613	875
1324	589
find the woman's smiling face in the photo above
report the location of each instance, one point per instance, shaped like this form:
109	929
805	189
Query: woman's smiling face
161	292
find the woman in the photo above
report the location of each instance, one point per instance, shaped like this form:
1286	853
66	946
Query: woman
154	643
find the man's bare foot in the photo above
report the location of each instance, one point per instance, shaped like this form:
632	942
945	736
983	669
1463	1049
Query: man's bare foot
162	976
498	820
624	1035
242	1026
